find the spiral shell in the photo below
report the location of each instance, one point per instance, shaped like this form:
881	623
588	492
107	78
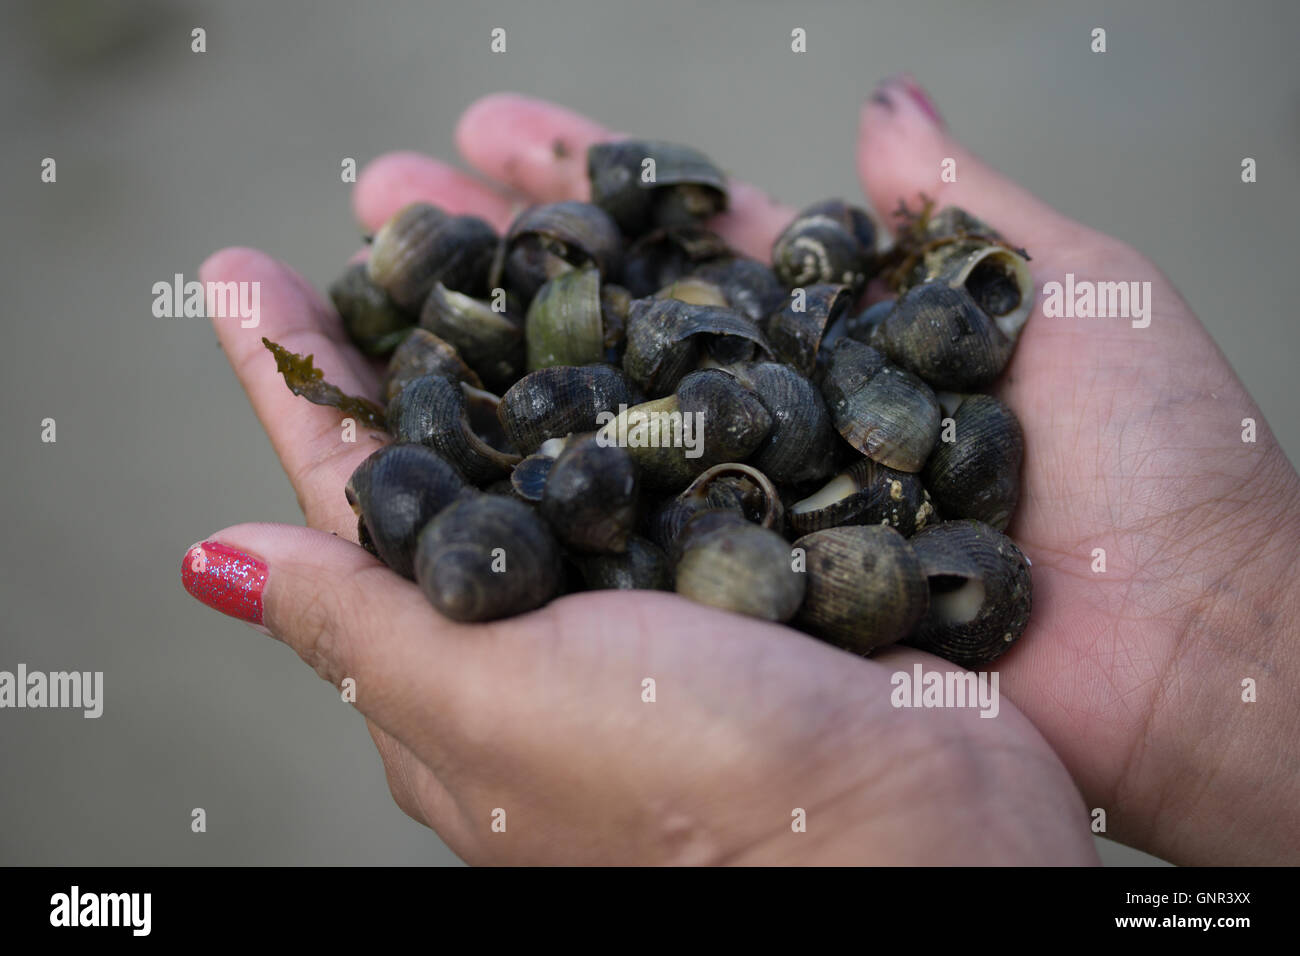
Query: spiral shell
980	592
829	242
395	492
457	421
487	557
730	563
885	412
686	187
977	475
866	587
422	246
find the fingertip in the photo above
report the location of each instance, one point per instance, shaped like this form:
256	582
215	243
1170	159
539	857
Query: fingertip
273	278
905	151
232	261
531	145
370	198
893	130
482	114
225	578
900	101
340	610
531	118
399	178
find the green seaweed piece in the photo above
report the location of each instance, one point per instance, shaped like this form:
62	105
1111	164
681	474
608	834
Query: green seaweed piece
304	379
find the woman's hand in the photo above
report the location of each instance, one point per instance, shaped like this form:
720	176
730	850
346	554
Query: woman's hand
541	724
1133	445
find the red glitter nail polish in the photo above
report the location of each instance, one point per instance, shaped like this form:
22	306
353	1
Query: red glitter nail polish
225	579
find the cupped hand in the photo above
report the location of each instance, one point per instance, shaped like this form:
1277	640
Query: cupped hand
540	723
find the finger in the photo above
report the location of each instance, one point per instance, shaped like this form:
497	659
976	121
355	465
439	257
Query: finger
307	438
535	147
752	221
397	179
347	616
902	148
540	149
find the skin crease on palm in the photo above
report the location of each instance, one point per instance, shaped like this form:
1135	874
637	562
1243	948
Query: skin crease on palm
1126	688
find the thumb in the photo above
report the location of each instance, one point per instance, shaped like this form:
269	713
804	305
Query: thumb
342	611
904	150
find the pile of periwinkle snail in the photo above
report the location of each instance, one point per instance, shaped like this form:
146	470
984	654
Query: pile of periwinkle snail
851	478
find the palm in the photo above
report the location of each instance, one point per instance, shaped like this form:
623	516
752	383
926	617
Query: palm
644	727
1082	391
1133	446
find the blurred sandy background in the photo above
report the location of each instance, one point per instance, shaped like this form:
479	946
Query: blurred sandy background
165	155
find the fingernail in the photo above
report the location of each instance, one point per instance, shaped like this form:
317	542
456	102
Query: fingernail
882	95
921	99
225	579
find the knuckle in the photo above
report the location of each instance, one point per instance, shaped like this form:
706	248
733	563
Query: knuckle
318	630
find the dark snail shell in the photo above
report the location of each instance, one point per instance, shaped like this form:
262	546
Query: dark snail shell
590	496
565	325
693	291
665	522
795	331
686	187
941	334
831	242
801	444
663	256
554	402
548	240
961	250
716	349
487	557
491	342
865	493
423	353
748	286
866	587
642	566
980	592
455	420
396	492
731	486
733	564
666	443
615	301
977	475
528	479
735	421
997	278
422	245
885	412
858	327
953	221
372	319
934	238
710	419
664	338
861	326
758	498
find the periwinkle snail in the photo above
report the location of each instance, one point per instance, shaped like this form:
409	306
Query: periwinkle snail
609	396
